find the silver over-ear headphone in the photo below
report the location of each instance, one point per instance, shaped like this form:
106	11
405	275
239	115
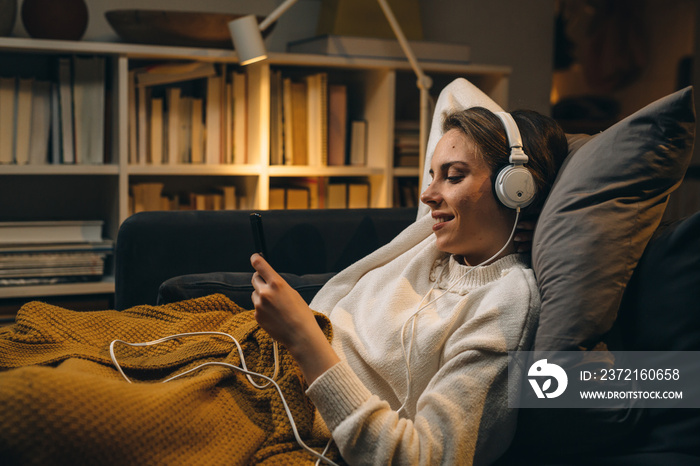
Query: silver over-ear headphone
514	186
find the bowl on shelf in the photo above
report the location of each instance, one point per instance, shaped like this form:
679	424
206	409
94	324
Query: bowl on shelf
178	28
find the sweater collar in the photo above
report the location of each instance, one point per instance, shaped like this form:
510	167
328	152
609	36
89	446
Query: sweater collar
449	271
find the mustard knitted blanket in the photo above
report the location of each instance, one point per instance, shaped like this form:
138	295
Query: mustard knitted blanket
63	402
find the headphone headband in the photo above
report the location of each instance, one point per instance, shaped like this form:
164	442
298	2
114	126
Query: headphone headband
515	141
514	186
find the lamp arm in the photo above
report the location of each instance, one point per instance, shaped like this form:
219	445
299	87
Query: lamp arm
279	11
423	80
424	84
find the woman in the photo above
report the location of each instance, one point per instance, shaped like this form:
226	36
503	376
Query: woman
417	369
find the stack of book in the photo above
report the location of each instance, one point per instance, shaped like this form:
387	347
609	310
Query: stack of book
40	253
321	193
150	197
406	193
57	122
187	113
406	143
310	125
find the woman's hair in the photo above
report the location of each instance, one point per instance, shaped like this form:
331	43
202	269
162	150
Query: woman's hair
544	142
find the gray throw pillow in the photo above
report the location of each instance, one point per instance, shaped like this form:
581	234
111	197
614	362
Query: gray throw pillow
607	201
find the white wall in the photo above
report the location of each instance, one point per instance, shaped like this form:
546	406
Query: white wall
501	32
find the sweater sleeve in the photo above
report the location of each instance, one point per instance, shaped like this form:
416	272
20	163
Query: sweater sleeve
462	410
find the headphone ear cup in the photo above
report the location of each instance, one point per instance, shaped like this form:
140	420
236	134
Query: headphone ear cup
515	186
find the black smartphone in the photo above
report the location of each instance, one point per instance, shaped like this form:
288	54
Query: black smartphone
258	235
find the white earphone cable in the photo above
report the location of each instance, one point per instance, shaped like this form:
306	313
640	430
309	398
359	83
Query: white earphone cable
249	374
412	318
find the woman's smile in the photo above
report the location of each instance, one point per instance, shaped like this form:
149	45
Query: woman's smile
441	220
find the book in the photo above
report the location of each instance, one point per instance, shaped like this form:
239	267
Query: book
62	231
88	109
23	120
299	122
258	73
65	99
313	186
240	117
317	118
356	46
184	133
168	73
358	195
56	142
324	117
172	101
297	197
228	194
337	196
40	123
277	198
97	270
143	97
214	113
156	131
337	124
105	245
276	119
7	119
406	143
133	119
147	196
206	201
10	264
358	143
197	132
97	93
227	124
406	192
288	133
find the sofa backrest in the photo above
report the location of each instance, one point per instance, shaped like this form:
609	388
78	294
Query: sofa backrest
155	246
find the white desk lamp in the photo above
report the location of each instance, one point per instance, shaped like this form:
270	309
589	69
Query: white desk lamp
249	45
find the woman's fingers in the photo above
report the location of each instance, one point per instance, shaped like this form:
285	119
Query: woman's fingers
263	268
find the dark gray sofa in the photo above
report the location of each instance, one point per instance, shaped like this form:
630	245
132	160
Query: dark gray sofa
197	253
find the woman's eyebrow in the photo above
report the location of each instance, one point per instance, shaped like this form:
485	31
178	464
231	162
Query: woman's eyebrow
446	166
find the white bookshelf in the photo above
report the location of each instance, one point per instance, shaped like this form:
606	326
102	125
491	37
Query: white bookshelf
374	82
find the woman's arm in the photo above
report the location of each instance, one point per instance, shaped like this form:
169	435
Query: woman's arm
284	314
460	415
462	411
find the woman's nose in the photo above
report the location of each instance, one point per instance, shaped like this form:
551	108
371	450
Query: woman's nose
429	196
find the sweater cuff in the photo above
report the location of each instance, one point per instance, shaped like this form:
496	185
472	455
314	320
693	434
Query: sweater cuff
337	393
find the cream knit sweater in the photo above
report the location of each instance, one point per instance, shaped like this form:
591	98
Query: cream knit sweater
457	408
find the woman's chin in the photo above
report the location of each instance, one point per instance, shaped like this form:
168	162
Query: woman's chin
445	246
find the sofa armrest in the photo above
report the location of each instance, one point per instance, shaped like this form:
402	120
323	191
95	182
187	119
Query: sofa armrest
155	246
237	286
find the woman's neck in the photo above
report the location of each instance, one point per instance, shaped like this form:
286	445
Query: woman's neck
474	259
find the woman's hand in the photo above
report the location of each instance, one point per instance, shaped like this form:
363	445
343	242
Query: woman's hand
284	314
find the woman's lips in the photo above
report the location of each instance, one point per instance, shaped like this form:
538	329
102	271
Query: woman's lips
441	221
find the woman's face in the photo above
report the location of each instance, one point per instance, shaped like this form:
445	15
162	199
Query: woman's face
469	221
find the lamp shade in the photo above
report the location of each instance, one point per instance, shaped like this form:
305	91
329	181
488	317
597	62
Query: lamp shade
247	39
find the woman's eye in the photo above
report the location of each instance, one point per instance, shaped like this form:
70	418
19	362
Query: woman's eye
455	178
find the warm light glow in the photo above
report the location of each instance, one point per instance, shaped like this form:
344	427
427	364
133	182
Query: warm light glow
254	60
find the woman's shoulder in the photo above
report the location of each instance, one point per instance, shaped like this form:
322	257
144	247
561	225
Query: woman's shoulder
517	281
